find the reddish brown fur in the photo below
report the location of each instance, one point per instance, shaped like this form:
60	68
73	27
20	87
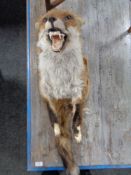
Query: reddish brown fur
75	22
63	108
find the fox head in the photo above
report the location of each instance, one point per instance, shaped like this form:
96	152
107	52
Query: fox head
57	28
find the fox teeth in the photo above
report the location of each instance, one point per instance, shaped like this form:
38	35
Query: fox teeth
56	33
59	35
50	34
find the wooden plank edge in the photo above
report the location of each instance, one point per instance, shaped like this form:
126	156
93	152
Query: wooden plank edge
28	88
90	167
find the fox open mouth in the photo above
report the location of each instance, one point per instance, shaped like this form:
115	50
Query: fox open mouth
57	39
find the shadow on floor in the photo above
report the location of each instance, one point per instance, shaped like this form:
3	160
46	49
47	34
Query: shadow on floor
87	172
12	126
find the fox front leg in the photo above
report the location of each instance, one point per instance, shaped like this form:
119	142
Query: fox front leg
77	123
54	122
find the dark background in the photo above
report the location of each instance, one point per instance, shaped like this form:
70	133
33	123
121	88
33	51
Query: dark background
13	92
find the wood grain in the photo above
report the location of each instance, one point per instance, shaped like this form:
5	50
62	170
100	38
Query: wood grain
107	119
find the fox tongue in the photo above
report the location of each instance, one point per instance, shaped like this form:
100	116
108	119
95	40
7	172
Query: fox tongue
57	42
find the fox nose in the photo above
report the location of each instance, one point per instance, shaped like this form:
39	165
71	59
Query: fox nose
52	19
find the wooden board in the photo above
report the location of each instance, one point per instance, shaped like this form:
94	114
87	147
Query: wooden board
107	123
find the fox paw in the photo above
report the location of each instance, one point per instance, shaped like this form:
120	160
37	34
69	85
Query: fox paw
56	129
78	136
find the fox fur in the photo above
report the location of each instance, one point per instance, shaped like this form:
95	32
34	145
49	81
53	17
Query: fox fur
63	78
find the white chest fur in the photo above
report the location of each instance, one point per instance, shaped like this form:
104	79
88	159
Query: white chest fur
60	73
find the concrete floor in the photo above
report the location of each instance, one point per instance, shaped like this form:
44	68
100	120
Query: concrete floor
13	104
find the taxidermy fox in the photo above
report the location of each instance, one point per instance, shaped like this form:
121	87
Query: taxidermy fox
63	78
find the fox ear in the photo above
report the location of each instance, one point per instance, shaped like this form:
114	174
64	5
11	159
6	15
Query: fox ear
80	21
37	24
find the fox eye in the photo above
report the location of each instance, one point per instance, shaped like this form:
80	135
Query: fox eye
68	17
45	20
